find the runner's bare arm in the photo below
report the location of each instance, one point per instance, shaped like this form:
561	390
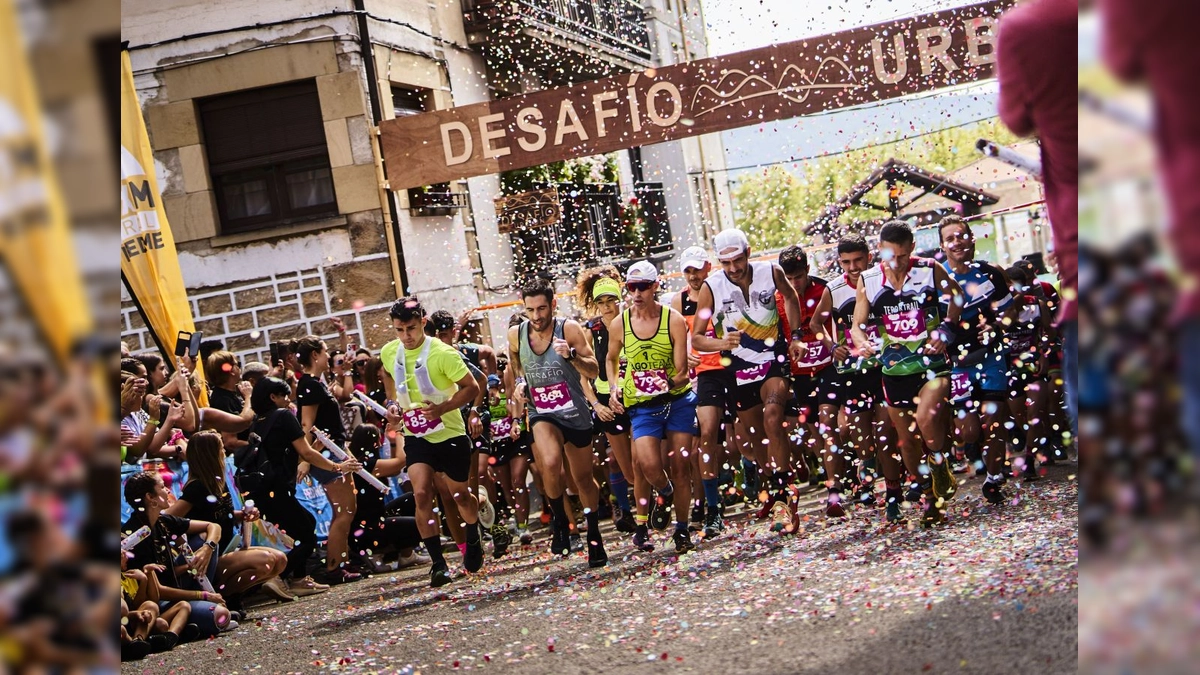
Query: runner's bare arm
513	371
862	312
791	302
701	322
677	326
677	302
616	342
487	360
585	357
822	319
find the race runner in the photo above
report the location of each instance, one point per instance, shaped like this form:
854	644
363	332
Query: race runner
435	384
657	393
739	302
552	355
979	378
905	292
867	429
695	266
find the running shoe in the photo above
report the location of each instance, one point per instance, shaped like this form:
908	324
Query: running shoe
767	507
487	512
1030	473
660	512
417	557
893	512
560	542
525	536
625	522
714	524
992	492
473	557
864	493
944	484
916	489
439	575
641	539
697	514
683	542
931	510
501	540
833	506
597	557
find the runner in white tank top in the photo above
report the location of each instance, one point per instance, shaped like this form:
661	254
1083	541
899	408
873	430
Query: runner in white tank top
740	301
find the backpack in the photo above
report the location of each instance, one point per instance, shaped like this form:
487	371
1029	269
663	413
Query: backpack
255	470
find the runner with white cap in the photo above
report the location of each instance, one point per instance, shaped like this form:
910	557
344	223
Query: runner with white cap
657	393
739	303
695	266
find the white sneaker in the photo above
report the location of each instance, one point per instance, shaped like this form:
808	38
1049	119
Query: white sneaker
487	513
417	557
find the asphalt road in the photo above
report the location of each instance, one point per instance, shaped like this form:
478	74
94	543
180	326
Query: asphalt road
994	590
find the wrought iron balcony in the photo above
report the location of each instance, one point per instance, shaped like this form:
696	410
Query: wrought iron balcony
560	39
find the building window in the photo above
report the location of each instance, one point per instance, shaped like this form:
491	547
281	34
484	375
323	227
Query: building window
267	157
408	101
431	200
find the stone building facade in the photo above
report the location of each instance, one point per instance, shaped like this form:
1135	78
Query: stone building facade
274	245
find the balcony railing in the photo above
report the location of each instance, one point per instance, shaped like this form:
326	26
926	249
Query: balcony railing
618	25
435	200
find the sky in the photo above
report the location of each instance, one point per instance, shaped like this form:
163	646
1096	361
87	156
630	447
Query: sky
738	25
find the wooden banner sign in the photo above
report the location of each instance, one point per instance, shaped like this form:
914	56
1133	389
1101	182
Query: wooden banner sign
528	210
860	65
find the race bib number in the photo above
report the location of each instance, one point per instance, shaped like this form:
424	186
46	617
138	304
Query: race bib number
650	382
552	398
752	375
502	427
908	325
816	354
960	386
419	425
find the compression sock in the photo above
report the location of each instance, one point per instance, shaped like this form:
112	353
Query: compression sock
620	490
712	492
433	546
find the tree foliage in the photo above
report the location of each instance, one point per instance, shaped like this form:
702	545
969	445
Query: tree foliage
774	205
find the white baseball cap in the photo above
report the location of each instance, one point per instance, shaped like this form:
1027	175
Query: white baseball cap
694	257
730	243
643	270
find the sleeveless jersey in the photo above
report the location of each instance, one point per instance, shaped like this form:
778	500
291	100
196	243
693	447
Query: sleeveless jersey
907	315
708	360
817	358
651	363
501	423
754	314
845	297
555	388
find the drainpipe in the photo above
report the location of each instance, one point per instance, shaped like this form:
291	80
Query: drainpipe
390	216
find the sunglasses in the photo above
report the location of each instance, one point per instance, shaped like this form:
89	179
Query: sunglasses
638	286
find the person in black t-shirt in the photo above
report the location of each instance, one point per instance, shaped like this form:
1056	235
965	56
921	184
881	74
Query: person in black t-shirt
223	371
206	496
284	443
318	408
168	541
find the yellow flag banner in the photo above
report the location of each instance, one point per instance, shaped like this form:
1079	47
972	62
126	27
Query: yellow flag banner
35	240
149	261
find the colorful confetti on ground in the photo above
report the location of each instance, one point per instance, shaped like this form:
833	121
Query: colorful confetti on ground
994	590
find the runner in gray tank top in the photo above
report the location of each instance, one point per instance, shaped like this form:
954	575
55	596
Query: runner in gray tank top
553	355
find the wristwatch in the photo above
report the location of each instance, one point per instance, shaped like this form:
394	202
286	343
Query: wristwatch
211	544
571	354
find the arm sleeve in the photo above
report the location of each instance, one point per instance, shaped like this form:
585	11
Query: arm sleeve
306	394
288	427
451	363
175	524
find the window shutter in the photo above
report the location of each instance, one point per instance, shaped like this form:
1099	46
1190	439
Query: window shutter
263	126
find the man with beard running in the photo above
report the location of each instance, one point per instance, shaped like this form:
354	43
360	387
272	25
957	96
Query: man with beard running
695	266
552	355
868	429
979	379
906	292
739	303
